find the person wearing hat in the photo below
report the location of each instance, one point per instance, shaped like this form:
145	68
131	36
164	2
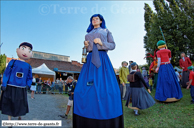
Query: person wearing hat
124	84
17	75
168	88
97	98
129	67
184	63
191	83
141	99
71	84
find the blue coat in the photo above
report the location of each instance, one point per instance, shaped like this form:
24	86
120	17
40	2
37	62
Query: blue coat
19	76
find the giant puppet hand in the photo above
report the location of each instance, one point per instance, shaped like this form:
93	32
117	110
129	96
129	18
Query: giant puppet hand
3	88
98	41
86	43
157	69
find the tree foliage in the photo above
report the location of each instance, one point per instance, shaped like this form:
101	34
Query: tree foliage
176	18
2	63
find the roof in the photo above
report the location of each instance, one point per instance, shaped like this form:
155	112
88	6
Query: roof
51	64
50	53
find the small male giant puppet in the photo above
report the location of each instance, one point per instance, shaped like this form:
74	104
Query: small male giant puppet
16	77
153	67
184	63
168	88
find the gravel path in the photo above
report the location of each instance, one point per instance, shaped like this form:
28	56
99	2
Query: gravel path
46	107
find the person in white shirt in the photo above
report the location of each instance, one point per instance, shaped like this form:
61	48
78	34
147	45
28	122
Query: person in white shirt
178	76
33	87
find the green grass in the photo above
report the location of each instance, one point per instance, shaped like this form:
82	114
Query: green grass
162	115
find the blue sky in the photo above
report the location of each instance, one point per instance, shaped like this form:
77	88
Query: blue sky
59	27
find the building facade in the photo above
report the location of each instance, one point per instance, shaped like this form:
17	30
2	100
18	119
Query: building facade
59	63
49	56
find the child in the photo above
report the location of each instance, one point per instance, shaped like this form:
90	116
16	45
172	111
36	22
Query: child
141	99
150	83
33	87
191	83
17	75
180	77
145	76
177	74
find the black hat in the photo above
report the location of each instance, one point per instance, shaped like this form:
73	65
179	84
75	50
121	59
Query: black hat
26	44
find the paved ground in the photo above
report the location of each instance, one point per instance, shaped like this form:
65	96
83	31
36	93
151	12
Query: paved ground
46	107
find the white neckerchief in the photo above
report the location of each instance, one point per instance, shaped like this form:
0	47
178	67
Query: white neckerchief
134	71
162	48
183	58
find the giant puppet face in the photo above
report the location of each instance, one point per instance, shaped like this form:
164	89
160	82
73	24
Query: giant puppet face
96	21
182	55
24	52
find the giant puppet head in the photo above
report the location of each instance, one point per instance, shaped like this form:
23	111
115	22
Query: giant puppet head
24	51
100	21
161	44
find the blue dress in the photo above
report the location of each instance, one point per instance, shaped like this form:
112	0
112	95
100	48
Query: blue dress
102	100
167	83
19	76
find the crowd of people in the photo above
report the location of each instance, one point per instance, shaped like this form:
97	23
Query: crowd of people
149	77
42	87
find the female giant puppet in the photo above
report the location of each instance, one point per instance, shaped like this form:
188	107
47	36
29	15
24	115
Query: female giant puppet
97	98
168	88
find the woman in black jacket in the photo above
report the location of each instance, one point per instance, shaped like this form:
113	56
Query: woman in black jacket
141	99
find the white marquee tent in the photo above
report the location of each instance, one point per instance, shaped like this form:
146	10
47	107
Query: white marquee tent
43	71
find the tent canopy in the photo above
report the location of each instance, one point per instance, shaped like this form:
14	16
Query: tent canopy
43	69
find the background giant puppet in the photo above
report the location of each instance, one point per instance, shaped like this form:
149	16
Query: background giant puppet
153	66
184	63
168	88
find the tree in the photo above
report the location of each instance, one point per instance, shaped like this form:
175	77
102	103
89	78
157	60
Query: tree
2	63
176	19
145	65
148	17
